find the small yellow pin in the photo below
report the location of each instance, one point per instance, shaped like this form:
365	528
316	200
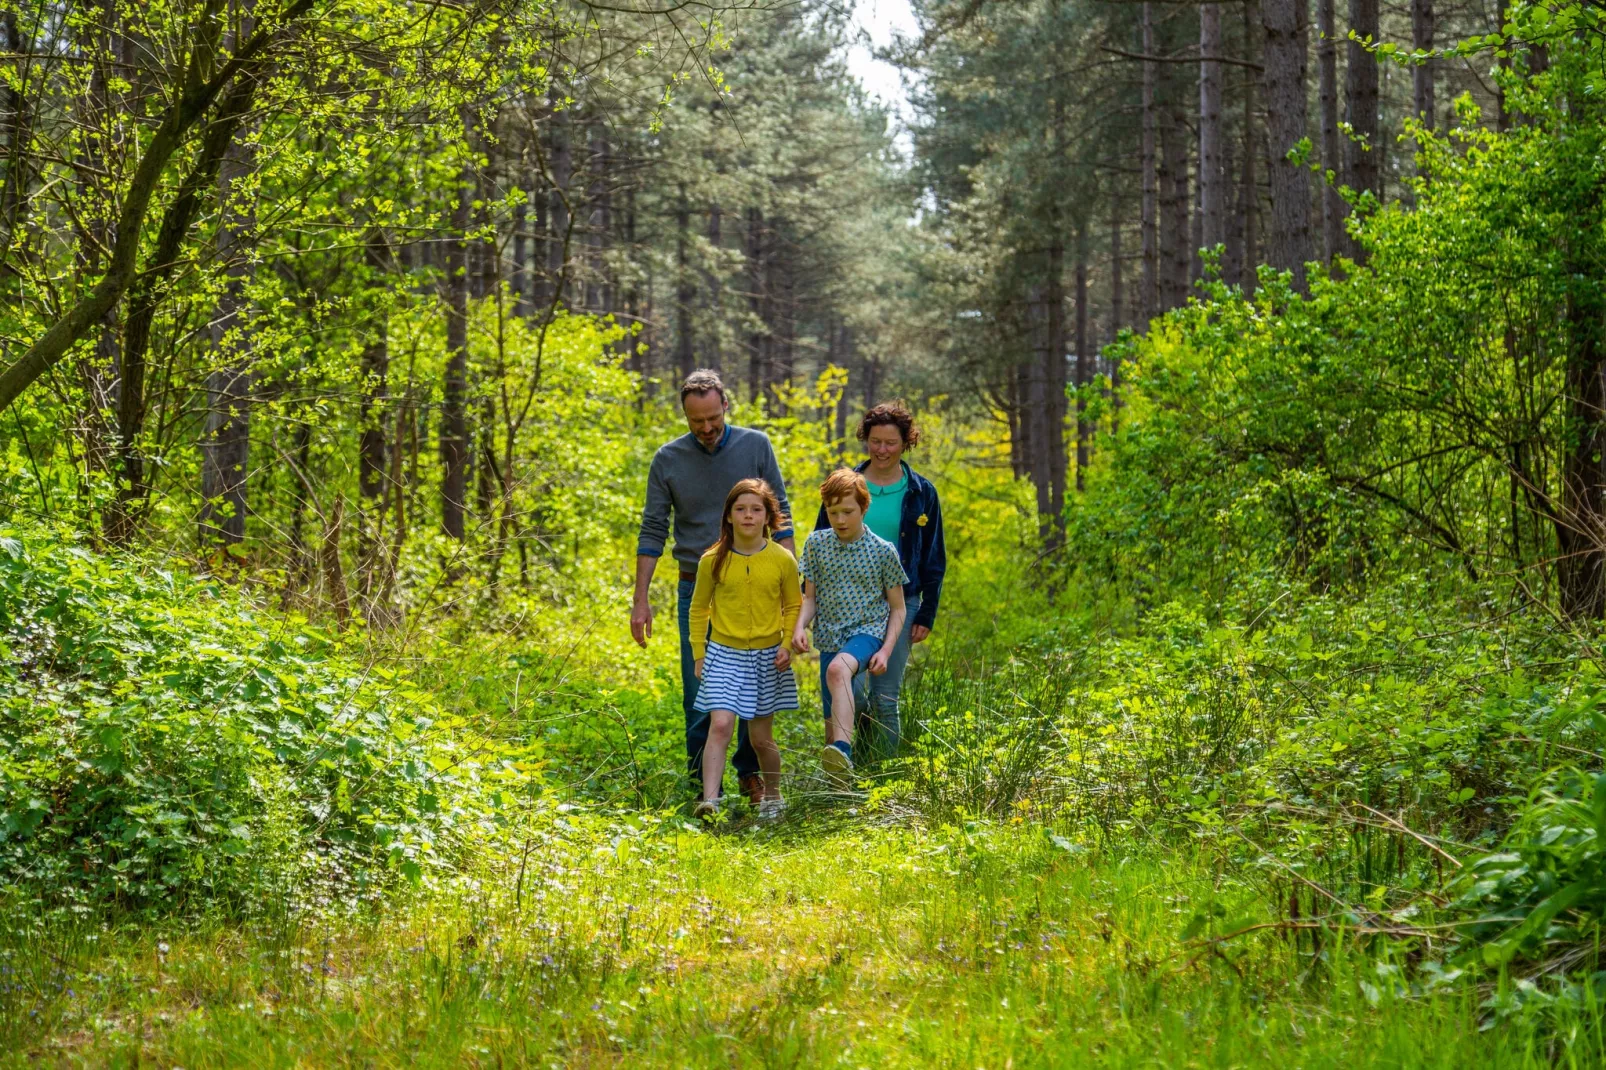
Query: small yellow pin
922	520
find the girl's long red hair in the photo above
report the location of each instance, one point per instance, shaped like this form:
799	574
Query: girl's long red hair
727	531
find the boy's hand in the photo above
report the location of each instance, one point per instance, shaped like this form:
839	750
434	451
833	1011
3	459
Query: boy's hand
783	658
878	663
697	668
800	640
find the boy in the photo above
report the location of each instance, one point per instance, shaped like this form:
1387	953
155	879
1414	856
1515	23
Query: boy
853	592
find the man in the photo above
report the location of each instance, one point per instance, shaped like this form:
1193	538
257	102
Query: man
690	477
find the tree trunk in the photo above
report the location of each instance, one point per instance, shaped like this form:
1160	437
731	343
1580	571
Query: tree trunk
1241	245
1422	28
1360	85
755	302
1581	532
454	398
1117	309
1333	206
1057	381
519	243
599	293
1212	173
716	292
1148	164
1084	364
685	353
1284	60
98	373
226	438
374	436
1175	231
561	165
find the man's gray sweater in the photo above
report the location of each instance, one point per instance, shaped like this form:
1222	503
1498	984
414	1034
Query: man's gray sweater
692	482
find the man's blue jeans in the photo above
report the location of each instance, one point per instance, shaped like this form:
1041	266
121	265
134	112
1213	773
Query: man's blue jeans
877	696
746	760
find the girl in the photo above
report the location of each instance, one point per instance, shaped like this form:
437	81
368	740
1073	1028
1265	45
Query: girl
743	609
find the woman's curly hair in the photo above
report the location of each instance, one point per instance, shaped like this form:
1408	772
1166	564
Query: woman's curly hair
894	414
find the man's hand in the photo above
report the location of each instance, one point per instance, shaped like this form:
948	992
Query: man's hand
641	621
878	662
783	659
919	633
800	640
697	668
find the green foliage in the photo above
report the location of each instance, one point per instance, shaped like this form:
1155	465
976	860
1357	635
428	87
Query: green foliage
164	743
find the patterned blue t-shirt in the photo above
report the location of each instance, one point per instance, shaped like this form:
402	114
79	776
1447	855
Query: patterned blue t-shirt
850	585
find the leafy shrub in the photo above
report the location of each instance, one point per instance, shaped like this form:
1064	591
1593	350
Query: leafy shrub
1542	896
165	743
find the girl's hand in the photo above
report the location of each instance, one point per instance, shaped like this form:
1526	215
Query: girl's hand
697	668
919	633
783	658
800	640
878	663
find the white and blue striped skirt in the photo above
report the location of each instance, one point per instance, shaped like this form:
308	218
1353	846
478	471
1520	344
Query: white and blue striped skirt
746	682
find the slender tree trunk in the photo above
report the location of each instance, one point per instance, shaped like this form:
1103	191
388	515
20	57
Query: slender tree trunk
600	228
226	438
1333	206
1422	28
454	398
1284	61
1117	308
1084	364
685	352
1360	85
519	242
98	373
716	292
1034	415
561	164
755	302
1581	534
1057	380
1247	259
1176	232
1149	298
1212	141
374	436
18	131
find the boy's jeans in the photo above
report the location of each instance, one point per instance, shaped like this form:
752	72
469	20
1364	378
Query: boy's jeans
877	696
746	760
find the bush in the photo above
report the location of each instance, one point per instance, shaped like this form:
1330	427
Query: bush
164	743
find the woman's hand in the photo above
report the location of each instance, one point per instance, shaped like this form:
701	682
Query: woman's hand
800	640
783	659
697	668
919	633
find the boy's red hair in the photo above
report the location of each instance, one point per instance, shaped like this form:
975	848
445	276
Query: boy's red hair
844	483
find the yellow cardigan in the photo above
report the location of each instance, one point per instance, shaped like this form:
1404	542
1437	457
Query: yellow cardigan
754	605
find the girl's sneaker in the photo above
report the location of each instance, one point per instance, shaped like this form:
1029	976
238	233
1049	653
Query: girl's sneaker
770	809
706	810
838	765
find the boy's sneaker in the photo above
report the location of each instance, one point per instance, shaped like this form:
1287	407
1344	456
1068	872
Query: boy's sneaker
706	810
770	809
837	762
752	785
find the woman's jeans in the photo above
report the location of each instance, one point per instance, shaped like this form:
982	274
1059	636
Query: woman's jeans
746	760
877	696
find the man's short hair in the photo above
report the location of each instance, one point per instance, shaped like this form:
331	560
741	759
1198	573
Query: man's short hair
701	382
845	483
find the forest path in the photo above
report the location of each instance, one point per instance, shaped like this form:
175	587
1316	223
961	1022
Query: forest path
656	944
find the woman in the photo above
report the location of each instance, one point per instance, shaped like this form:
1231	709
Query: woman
904	511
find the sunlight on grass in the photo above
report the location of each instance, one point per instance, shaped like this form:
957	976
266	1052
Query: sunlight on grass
651	944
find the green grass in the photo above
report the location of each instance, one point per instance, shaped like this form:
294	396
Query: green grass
645	943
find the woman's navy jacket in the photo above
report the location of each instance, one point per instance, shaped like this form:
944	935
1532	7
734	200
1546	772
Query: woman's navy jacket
920	545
